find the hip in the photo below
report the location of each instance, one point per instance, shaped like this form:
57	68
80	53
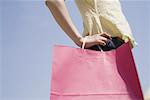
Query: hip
113	43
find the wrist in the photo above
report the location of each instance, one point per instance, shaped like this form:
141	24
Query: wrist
79	41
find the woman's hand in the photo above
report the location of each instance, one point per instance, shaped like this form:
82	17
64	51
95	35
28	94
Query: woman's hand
96	39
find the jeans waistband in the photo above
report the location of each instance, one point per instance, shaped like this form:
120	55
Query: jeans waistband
113	43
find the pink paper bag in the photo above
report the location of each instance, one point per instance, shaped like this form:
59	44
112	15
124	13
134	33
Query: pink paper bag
83	74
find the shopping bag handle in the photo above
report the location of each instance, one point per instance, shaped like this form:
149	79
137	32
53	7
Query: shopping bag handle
84	40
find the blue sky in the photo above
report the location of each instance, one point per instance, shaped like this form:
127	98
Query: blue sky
28	32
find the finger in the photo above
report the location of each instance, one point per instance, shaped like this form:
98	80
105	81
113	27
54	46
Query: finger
104	34
101	42
103	38
107	34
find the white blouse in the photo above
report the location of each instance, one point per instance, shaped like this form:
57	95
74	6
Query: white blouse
104	15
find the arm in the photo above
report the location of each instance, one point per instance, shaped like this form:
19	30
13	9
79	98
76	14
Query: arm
61	15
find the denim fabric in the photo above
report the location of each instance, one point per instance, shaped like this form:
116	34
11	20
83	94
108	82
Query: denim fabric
113	43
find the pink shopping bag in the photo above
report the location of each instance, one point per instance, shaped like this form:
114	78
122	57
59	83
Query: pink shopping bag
83	74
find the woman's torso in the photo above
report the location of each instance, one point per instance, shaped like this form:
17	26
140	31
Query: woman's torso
104	15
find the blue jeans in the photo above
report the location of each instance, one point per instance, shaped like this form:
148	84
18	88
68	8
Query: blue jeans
113	43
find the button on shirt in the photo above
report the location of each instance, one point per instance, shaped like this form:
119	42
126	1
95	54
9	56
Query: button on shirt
104	15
